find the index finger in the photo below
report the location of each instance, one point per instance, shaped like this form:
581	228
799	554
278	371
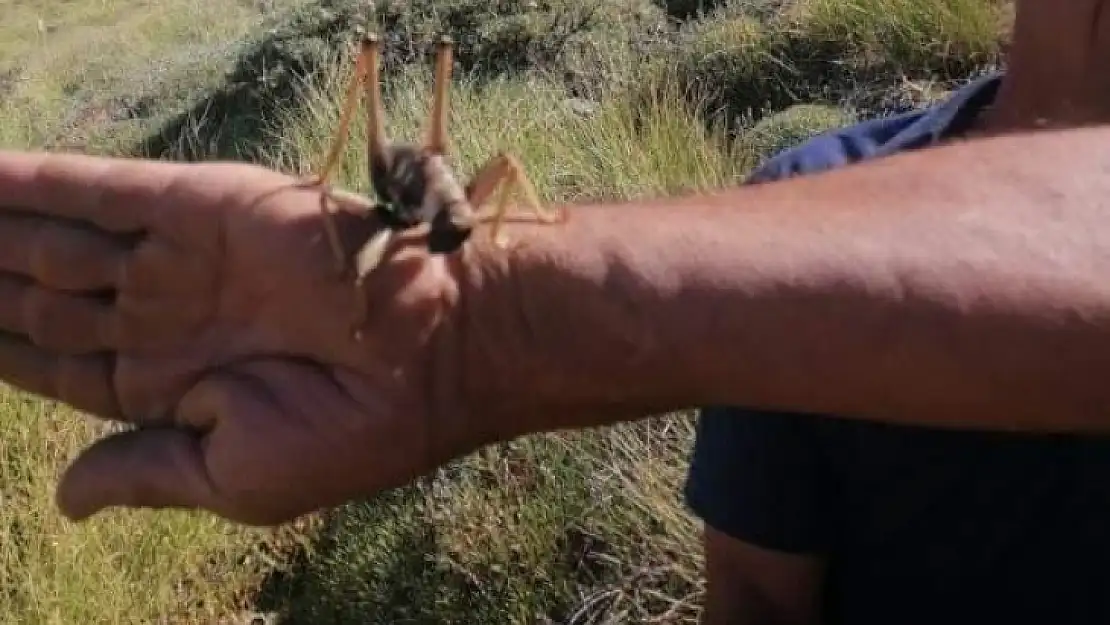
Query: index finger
115	194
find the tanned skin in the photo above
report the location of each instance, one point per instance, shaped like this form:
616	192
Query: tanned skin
1057	76
978	300
201	302
972	301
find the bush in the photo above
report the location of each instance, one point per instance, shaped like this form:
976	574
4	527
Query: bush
586	43
853	53
786	129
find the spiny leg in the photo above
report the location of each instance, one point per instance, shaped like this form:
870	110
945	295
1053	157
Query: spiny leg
377	157
367	75
437	140
338	143
366	261
377	141
342	134
506	171
332	233
328	199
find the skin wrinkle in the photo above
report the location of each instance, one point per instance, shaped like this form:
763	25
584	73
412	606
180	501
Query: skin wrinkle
529	317
55	252
152	409
44	172
442	380
1094	44
36	319
639	338
126	262
923	285
219	293
754	296
846	263
72	375
633	338
462	340
38	254
219	284
122	219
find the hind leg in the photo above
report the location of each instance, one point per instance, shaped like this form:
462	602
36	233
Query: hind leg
436	141
338	143
366	74
504	171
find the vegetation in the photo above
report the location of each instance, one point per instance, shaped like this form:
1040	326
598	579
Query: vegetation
627	98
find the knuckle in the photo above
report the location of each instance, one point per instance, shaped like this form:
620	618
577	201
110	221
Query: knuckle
37	318
46	267
38	253
65	258
65	324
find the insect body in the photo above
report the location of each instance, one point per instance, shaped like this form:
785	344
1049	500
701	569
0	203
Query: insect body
415	183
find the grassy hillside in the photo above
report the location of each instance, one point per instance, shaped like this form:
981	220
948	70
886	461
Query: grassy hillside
628	98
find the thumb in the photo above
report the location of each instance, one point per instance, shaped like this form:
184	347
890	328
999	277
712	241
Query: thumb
150	468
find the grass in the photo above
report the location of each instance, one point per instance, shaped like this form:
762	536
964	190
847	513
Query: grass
622	147
625	99
125	566
97	74
100	74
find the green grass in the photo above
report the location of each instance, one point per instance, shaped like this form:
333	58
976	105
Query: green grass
124	566
583	528
74	74
630	98
96	74
622	147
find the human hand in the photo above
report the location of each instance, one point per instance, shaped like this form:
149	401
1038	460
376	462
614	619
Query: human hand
203	297
200	303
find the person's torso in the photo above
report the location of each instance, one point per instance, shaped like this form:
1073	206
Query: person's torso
959	527
941	527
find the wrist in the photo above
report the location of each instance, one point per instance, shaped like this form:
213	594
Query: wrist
564	327
866	302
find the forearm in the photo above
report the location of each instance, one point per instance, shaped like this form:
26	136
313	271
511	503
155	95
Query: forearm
965	286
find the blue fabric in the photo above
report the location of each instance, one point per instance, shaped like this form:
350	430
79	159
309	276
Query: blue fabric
920	526
884	136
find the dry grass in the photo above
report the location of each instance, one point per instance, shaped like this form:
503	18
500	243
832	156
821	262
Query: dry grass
125	566
577	528
97	74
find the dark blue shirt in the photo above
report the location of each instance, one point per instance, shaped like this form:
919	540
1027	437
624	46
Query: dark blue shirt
919	526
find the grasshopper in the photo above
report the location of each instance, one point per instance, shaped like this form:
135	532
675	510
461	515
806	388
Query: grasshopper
415	183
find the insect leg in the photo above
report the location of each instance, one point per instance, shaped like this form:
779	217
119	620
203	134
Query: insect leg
338	142
367	259
437	140
377	139
505	169
342	134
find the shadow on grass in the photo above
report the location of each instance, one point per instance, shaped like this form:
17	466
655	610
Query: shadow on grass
528	532
235	122
742	65
331	584
383	561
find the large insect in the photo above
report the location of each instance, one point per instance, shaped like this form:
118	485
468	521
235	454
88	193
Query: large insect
414	183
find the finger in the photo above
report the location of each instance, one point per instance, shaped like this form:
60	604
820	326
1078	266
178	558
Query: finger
270	455
190	467
116	194
60	255
56	321
153	468
84	382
